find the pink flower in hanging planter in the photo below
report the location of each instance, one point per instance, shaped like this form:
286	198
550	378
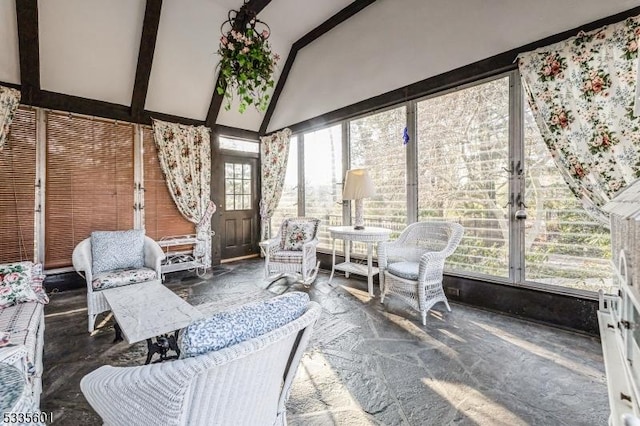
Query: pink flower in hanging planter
265	33
245	50
224	40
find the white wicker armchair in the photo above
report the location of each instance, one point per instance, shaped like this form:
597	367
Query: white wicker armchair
412	266
244	384
280	261
83	261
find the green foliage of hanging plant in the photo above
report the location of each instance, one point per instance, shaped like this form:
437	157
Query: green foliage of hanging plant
246	66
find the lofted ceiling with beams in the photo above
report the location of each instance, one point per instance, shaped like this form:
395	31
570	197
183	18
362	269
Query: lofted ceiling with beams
344	51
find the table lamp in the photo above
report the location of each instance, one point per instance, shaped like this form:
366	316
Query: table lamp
357	186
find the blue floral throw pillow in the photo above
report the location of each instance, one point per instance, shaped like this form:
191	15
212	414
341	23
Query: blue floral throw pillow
297	233
112	250
229	328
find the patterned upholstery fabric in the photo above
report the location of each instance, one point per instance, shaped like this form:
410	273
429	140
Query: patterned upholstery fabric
21	321
246	322
298	232
15	284
11	386
287	256
406	270
117	250
37	283
122	277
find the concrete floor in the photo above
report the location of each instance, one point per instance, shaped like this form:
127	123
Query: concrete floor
370	364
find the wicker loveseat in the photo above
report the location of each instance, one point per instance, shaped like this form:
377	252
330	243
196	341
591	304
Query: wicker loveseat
245	382
22	328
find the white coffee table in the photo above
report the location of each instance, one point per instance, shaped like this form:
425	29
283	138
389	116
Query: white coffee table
150	310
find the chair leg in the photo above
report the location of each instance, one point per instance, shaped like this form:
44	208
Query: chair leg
424	317
92	322
446	302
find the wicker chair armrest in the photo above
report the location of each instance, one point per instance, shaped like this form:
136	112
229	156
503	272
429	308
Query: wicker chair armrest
271	245
431	266
12	353
153	255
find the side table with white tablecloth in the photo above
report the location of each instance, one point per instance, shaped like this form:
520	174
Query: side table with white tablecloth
370	236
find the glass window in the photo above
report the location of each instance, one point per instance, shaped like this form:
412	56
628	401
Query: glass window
564	246
239	145
237	184
377	145
463	140
288	204
323	179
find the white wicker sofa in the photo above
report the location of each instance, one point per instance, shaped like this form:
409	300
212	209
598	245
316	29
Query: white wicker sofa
22	324
236	368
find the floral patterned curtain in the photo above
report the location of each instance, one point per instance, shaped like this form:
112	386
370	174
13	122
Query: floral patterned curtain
9	101
274	153
582	94
184	153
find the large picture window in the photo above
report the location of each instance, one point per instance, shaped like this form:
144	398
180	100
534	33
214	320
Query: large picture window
463	161
564	246
323	179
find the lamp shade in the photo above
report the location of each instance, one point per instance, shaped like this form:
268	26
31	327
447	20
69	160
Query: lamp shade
358	185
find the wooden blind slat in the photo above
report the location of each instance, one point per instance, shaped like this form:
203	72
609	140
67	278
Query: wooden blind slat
17	189
161	216
89	182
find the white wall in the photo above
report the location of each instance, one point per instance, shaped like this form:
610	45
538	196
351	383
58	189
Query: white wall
393	43
9	56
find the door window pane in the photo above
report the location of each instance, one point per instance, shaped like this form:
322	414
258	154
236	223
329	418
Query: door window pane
237	184
323	179
564	246
463	140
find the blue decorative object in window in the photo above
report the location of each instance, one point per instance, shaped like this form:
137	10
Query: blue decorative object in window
405	136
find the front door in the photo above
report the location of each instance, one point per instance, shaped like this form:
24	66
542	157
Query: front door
239	211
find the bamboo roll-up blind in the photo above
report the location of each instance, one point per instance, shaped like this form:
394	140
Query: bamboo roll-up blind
17	189
90	182
161	216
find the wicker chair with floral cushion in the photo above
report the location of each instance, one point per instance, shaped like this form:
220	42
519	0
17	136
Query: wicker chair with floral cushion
412	266
293	250
111	259
235	368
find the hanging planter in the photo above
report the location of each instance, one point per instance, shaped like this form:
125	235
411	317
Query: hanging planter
246	61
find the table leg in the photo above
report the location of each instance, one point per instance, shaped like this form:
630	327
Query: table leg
347	254
333	261
161	346
370	268
118	330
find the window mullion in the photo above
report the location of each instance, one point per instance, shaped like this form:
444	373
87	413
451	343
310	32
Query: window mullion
301	208
412	163
516	181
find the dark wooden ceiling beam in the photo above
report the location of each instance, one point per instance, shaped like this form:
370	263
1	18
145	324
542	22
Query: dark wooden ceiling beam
255	6
29	48
145	56
303	41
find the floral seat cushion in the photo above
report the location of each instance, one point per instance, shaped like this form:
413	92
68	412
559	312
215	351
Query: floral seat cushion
229	328
122	277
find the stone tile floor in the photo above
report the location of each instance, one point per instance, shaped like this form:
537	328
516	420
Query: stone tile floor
373	363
